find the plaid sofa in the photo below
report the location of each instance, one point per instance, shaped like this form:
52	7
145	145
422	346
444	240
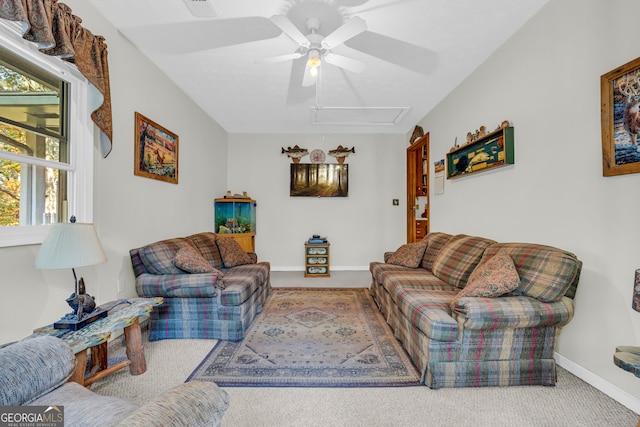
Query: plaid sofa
217	305
36	372
478	341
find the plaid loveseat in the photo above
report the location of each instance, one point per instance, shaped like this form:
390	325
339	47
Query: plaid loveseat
36	372
217	305
478	341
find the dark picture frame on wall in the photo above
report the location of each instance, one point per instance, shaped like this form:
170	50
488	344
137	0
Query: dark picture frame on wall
156	151
319	180
620	102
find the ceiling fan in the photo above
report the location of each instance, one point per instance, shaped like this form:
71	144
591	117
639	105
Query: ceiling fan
210	31
318	48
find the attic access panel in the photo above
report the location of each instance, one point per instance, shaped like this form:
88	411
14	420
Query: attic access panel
365	116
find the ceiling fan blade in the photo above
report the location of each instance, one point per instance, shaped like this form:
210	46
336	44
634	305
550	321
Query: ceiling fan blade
406	55
345	62
206	34
290	30
351	28
280	58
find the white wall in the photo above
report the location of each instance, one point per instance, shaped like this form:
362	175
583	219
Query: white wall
359	227
129	211
546	81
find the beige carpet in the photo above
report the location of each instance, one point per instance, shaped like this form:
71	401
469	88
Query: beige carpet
571	402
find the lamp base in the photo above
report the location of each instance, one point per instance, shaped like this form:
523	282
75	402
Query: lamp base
74	325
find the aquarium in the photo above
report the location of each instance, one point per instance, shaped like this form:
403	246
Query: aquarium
233	216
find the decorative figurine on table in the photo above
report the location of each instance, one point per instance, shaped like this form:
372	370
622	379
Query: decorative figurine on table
82	304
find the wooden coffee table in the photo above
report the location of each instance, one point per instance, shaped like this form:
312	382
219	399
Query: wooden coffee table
123	315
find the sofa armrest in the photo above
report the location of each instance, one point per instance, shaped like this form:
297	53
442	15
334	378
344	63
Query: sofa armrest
195	403
510	312
198	285
33	367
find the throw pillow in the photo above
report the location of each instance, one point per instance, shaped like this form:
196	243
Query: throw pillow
231	252
189	260
493	278
409	254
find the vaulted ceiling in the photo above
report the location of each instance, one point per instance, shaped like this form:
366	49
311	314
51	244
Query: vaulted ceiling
388	65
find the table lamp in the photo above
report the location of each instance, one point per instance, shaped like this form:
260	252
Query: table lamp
72	245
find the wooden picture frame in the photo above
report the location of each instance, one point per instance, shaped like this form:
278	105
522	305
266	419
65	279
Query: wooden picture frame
620	121
156	151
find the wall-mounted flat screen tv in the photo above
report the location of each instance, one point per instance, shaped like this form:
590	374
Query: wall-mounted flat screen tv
319	180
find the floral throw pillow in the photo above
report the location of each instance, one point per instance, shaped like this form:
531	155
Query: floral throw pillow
409	255
189	260
495	277
231	252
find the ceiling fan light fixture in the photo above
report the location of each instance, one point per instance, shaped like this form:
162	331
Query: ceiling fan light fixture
314	60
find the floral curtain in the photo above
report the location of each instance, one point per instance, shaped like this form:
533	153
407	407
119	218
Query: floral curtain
57	32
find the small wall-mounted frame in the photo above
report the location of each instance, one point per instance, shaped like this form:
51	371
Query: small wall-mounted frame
620	99
488	152
156	151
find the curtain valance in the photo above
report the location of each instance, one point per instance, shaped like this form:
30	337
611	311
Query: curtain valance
57	32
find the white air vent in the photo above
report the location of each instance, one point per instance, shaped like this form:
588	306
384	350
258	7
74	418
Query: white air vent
364	116
201	8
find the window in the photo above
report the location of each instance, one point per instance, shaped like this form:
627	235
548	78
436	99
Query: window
46	161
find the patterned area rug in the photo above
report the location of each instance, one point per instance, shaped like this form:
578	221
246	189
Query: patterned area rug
312	338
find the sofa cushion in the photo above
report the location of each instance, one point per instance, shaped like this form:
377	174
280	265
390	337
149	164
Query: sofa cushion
546	273
190	260
33	367
196	403
206	244
435	242
409	254
497	276
398	282
158	257
83	407
261	269
232	253
458	258
377	268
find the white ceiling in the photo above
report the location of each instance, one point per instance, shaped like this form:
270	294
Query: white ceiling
416	52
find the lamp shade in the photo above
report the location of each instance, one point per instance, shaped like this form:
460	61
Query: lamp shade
70	245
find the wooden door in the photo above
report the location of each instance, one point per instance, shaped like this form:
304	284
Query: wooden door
418	189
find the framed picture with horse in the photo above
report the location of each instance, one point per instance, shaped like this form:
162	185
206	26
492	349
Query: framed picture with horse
156	151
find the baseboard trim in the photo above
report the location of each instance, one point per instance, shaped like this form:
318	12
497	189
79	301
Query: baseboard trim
616	393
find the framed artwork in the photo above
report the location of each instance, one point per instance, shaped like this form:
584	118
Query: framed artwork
156	151
620	98
319	180
488	152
